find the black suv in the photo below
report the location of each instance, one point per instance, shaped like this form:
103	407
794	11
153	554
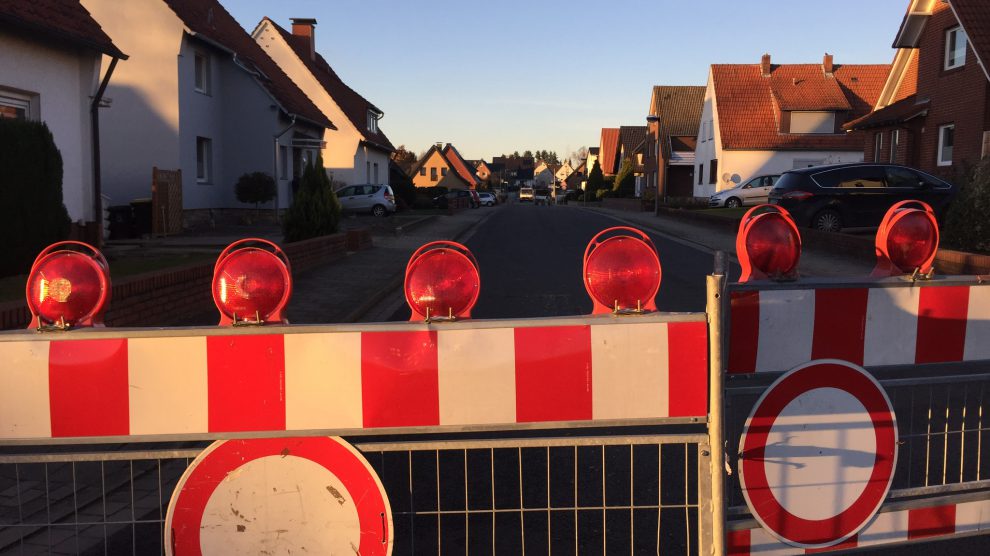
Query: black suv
830	198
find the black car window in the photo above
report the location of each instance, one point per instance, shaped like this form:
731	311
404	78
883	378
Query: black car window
862	177
773	180
830	178
902	177
345	192
374	189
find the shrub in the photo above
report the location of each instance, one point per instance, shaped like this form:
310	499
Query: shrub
32	215
315	211
966	226
402	186
256	187
625	180
596	181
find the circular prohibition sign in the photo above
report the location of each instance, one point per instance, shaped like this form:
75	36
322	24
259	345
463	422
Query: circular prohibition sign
818	453
314	495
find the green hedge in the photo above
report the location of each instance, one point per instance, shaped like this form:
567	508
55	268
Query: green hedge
32	215
967	226
315	210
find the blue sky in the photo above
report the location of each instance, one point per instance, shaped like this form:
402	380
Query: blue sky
498	76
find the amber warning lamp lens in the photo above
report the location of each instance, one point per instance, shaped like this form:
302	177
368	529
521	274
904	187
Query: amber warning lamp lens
252	283
622	272
68	287
442	282
768	244
907	240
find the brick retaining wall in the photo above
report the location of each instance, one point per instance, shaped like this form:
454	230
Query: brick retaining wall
166	296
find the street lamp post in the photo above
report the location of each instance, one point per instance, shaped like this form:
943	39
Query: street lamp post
652	119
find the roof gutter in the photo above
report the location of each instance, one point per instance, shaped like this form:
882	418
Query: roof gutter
94	114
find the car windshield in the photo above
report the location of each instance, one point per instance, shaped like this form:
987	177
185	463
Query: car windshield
787	181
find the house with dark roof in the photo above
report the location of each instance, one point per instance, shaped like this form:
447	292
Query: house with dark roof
199	95
768	118
934	109
632	139
674	115
592	158
357	150
443	166
52	70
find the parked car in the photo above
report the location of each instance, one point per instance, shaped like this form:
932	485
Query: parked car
830	198
525	194
541	196
752	192
488	199
456	198
376	199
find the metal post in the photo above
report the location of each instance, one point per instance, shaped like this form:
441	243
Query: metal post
716	435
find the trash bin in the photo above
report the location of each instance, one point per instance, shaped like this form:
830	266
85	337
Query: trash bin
121	219
142	216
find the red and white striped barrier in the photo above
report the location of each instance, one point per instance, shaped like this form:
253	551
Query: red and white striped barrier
886	528
278	381
775	330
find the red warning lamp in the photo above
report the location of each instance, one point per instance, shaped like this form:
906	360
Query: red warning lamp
768	244
252	283
907	240
622	272
442	282
68	287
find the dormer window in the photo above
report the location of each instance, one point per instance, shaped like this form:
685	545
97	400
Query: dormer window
955	47
812	122
372	121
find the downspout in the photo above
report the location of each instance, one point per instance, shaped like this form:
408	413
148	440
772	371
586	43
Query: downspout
275	169
94	112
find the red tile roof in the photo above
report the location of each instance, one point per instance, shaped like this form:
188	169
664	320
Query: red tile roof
64	20
749	104
459	165
974	16
354	106
609	150
208	19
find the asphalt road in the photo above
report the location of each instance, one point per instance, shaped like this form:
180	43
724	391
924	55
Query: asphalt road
531	256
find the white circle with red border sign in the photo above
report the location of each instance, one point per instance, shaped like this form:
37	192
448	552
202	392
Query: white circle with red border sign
818	453
315	495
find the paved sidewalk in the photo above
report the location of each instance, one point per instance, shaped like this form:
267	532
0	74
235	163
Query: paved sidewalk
347	289
814	262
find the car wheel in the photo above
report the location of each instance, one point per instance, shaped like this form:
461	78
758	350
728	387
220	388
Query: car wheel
827	220
732	203
379	211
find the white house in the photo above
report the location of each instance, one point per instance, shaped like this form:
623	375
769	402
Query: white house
358	150
199	95
766	119
51	70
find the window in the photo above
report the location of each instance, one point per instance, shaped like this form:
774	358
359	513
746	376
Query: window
376	173
433	174
372	121
367	171
283	162
443	172
701	172
902	177
812	122
877	146
712	170
711	130
946	138
202	73
422	171
862	177
17	106
955	48
895	141
204	160
346	192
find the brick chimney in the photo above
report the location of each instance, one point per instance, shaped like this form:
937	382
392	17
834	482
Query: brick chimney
306	27
827	64
765	65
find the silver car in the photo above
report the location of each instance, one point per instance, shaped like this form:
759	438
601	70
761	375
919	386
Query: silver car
753	192
376	199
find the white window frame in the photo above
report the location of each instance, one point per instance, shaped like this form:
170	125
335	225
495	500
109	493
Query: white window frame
941	161
204	160
202	80
372	121
877	145
20	101
895	143
949	61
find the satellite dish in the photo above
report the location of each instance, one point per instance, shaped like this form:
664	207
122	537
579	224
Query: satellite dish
726	176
